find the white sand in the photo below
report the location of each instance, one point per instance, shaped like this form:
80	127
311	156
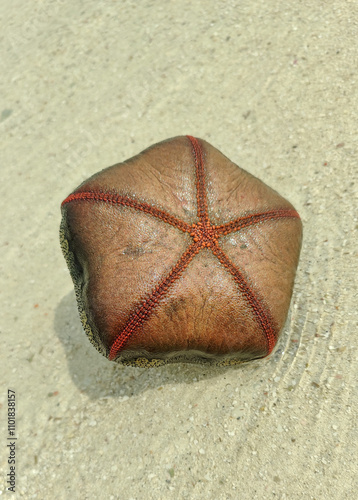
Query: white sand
273	85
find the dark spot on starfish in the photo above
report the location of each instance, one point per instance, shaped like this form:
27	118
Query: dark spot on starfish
133	250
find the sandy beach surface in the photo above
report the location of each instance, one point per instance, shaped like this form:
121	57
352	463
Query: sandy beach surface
273	85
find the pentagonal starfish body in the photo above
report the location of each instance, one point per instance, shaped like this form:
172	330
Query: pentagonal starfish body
206	235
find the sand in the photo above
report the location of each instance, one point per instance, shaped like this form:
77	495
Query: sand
273	85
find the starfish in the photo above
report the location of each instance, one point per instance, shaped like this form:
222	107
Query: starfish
205	236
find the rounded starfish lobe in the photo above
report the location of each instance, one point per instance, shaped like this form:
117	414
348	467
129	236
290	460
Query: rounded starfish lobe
178	254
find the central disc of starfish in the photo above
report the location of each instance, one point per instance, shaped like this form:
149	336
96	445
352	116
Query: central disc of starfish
205	233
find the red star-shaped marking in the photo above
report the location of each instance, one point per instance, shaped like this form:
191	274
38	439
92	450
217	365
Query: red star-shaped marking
205	235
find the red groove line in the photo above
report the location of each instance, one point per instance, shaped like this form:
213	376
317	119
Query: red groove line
203	215
262	316
129	202
202	205
143	312
249	220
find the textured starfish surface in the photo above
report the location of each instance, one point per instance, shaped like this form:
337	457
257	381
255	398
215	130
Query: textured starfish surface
209	277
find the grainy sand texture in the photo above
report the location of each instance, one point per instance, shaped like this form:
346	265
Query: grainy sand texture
273	85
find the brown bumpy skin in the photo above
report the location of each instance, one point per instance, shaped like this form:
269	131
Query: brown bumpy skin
180	255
